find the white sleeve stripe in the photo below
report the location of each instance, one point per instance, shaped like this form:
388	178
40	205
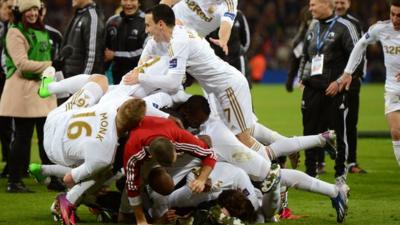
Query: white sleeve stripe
128	54
130	173
92	41
351	28
352	31
195	149
53	29
190	148
231	7
247	29
353	18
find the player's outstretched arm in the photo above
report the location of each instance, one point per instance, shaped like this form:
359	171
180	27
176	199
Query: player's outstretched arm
224	35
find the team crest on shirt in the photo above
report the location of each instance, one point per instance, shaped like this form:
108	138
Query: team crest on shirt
331	35
173	63
211	9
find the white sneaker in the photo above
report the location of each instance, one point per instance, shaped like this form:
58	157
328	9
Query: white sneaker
330	140
340	202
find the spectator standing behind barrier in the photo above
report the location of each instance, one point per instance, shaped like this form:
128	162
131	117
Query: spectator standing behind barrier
86	34
125	37
353	95
28	54
327	47
238	45
5	121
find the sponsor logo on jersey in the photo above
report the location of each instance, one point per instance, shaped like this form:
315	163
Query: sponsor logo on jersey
197	9
367	35
391	50
211	9
173	63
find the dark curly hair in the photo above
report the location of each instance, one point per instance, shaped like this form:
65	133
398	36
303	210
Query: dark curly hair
238	205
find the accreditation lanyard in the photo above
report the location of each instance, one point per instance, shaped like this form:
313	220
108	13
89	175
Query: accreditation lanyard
320	43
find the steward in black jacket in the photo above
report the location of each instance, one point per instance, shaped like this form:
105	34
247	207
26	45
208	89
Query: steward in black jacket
86	34
125	37
327	47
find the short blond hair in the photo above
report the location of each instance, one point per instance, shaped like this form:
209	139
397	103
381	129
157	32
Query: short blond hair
130	114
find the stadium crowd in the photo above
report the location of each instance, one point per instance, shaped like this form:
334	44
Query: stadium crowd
272	34
109	104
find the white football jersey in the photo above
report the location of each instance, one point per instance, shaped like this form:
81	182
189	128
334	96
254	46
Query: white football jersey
77	123
86	137
224	176
205	16
188	52
384	32
95	125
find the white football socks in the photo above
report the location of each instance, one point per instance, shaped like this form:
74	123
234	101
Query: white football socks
78	190
287	146
265	135
55	170
396	149
69	85
302	181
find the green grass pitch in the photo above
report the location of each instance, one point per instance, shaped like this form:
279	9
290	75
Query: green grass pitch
374	200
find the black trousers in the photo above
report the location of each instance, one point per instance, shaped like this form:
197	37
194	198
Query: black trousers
5	136
5	128
353	102
19	156
321	112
